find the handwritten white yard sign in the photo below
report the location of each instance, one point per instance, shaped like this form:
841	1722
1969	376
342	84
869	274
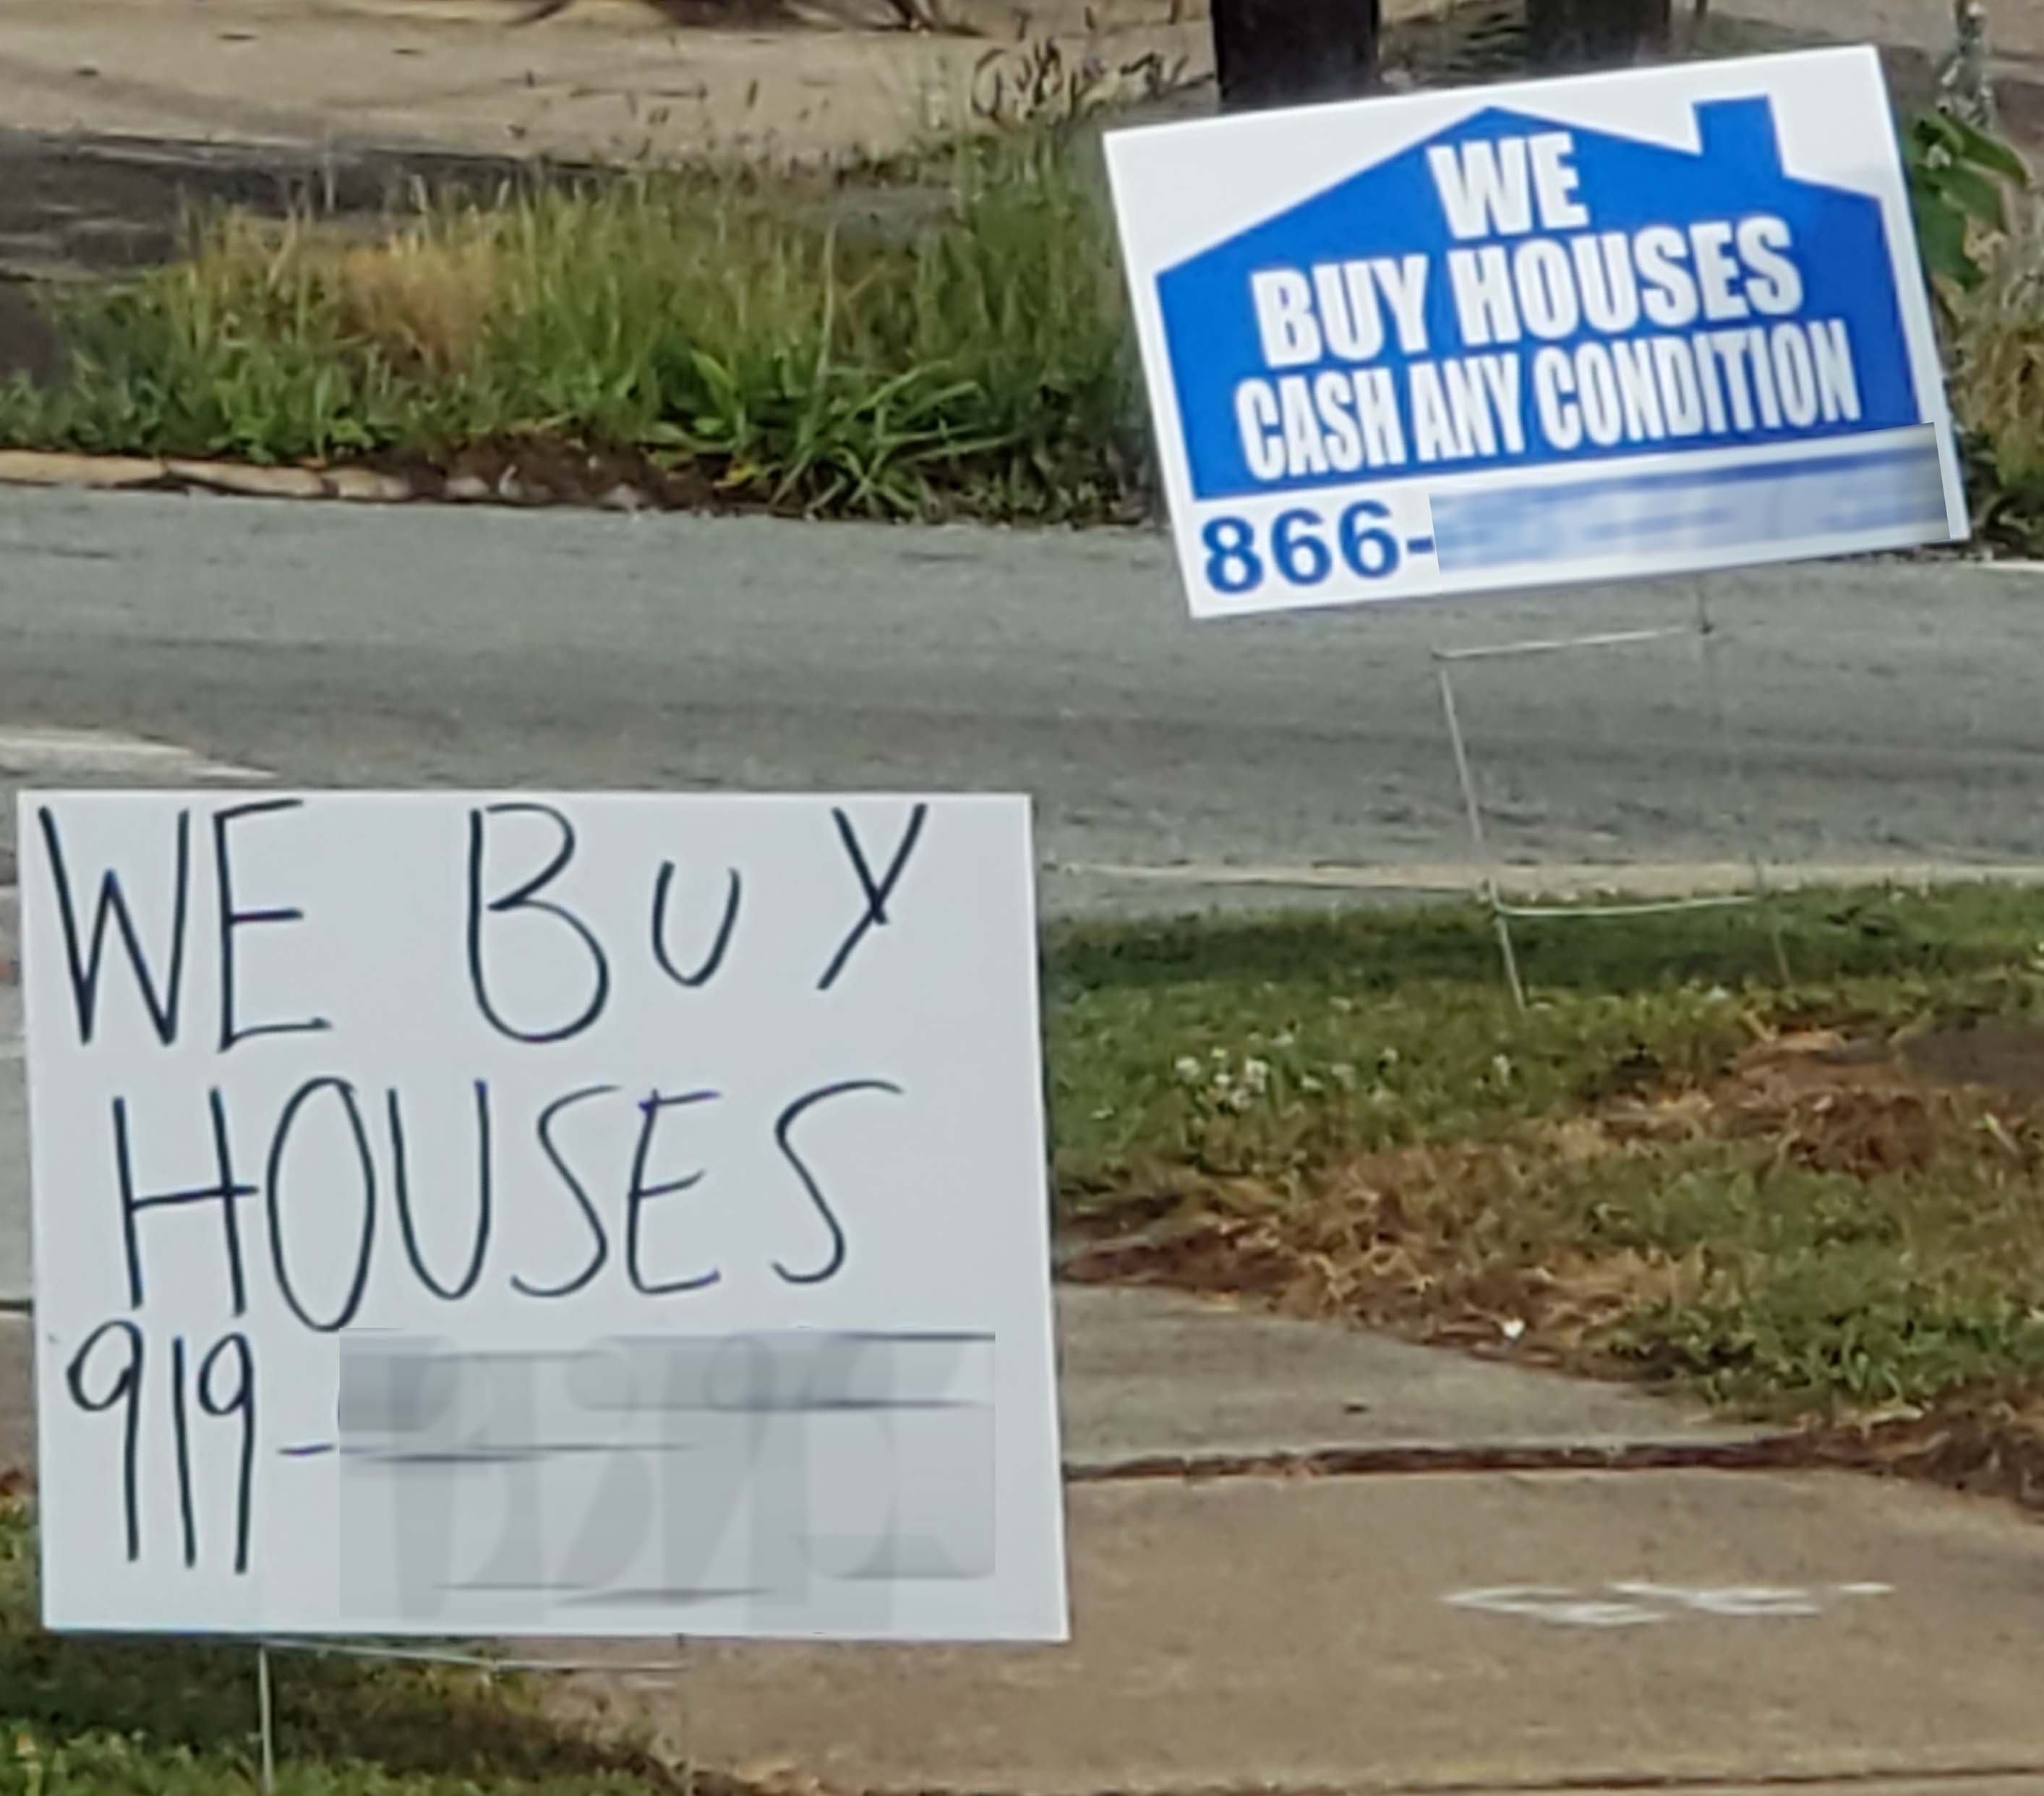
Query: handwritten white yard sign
540	1215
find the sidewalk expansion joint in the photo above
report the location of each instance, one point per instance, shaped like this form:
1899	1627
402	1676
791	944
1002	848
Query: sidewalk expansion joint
1955	1778
1766	1452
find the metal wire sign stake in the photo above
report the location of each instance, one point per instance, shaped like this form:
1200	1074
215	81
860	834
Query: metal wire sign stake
671	1669
1705	632
1453	343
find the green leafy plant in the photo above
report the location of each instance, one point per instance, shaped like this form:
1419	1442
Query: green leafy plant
1959	181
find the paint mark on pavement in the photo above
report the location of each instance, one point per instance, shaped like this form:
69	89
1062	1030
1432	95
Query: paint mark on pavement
1637	1602
104	754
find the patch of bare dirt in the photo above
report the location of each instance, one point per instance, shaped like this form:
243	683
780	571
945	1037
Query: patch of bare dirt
1986	1445
29	343
2001	1056
544	471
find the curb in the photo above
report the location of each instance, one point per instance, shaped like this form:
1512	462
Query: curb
62	469
502	485
37	468
1783	1450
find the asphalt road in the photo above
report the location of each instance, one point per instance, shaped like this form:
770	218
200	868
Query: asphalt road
1888	712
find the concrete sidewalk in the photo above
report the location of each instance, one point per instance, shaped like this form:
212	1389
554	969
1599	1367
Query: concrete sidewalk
1475	1631
14	1274
1471	1631
18	1417
1436	1631
1150	1375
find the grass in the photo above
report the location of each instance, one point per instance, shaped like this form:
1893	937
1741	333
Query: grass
956	345
1400	1015
1670	1166
83	1717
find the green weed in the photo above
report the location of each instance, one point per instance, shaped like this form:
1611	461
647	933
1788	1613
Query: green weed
82	1715
945	335
952	346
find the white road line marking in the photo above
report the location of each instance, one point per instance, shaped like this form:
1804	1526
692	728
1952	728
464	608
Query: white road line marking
44	752
1566	878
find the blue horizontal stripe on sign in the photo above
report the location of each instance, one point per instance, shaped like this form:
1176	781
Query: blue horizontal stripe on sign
1708	510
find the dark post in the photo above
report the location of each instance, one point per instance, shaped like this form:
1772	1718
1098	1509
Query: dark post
1289	53
1597	34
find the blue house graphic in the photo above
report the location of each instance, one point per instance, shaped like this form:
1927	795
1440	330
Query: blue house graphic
1393	209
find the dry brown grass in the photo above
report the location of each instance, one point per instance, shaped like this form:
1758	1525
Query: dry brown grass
1997	374
1550	1241
426	300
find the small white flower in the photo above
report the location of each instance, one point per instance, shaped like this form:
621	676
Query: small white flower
1256	1075
1285	1038
1188	1069
1219	1056
1343	1075
1240	1099
1222	1079
1387	1059
1343	1005
1500	1064
1511	1327
1311	1085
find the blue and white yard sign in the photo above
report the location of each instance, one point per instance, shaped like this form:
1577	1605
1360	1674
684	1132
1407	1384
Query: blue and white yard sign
1584	329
